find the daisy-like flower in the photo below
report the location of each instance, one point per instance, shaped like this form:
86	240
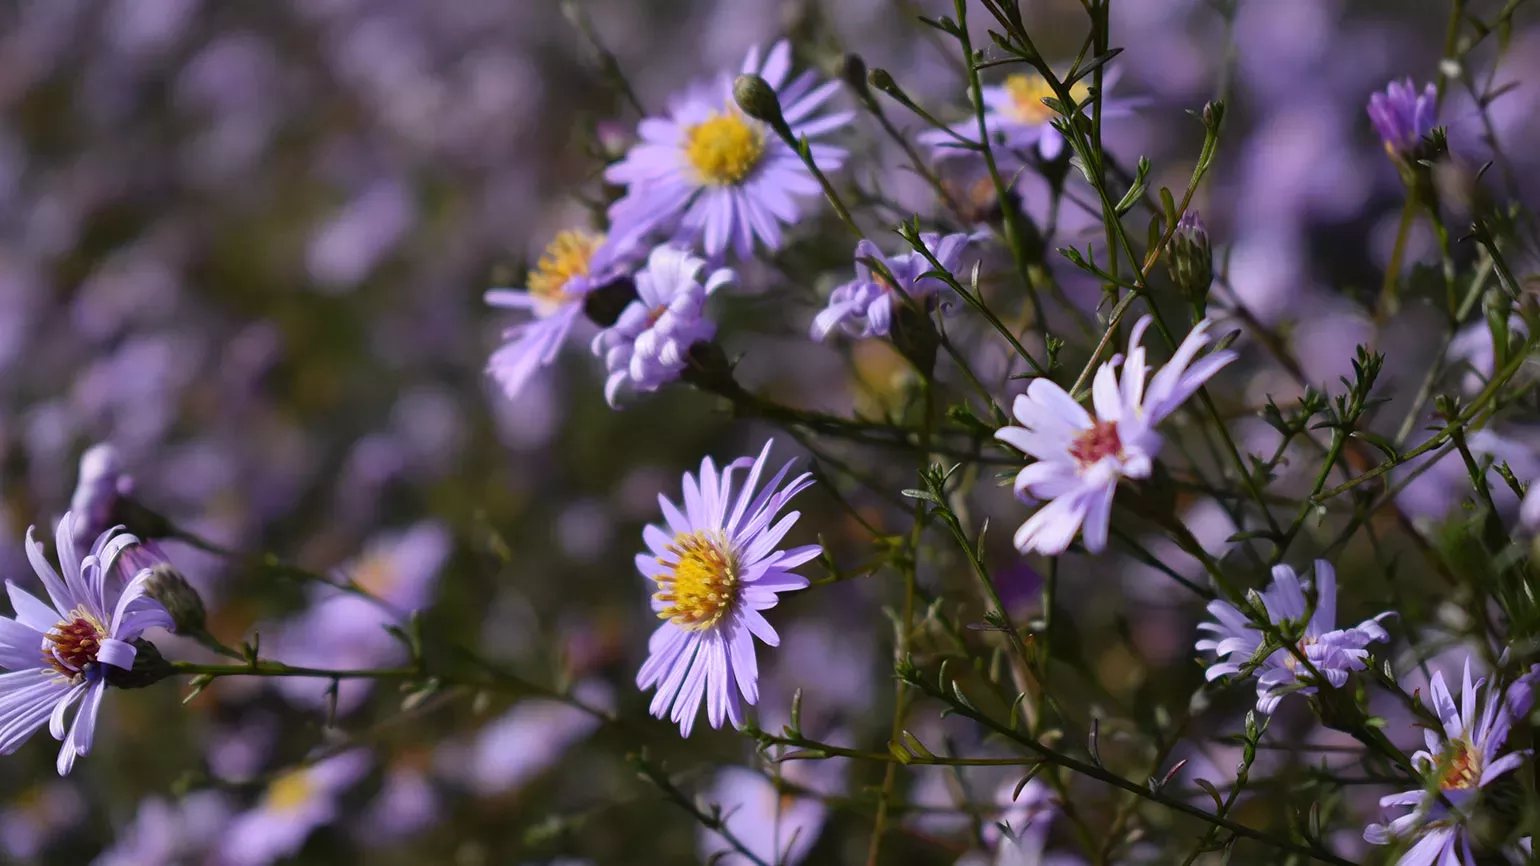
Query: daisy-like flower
1019	122
573	264
1080	457
1402	116
60	655
864	306
707	172
647	346
1460	759
295	804
717	566
1334	652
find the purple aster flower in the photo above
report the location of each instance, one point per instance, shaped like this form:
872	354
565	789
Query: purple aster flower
101	485
1334	652
1460	759
523	742
572	265
1402	116
778	828
295	804
38	816
648	344
162	832
408	804
399	571
58	655
716	566
864	306
1019	122
707	172
1080	457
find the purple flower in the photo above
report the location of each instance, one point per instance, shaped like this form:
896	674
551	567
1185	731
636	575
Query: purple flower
1402	116
778	828
399	571
1333	651
648	344
1461	759
707	172
572	265
295	804
102	483
163	832
716	566
58	656
864	306
1018	121
1080	457
523	742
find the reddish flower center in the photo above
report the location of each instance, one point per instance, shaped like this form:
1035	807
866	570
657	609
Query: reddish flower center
1101	440
1463	770
73	644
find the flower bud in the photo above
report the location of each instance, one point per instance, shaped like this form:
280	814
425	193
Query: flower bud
1190	259
150	667
758	100
167	586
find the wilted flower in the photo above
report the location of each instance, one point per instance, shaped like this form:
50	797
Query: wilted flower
62	654
1461	759
1333	651
864	307
717	566
572	265
295	804
647	346
707	172
1402	116
1079	457
1017	119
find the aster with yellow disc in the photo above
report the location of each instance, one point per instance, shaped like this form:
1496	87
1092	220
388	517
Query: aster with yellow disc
707	173
716	564
1019	122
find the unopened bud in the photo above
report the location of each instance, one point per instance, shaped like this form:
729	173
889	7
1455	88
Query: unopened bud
758	100
854	72
167	586
882	80
150	667
1190	258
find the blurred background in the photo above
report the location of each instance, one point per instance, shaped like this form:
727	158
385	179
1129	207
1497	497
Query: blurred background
246	243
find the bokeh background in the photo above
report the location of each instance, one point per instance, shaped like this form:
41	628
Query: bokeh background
245	244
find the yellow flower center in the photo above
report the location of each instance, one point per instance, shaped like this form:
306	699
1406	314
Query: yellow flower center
1027	92
290	791
724	148
1462	767
702	582
564	258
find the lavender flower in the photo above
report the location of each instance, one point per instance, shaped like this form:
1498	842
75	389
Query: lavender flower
1461	759
60	655
716	566
864	306
572	265
775	827
1334	652
647	346
525	741
1079	457
707	172
296	803
1402	116
162	832
1018	121
99	489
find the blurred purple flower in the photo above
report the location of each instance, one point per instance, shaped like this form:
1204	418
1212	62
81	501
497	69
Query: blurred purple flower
101	484
1081	458
399	571
716	569
516	746
777	828
647	346
407	805
1458	762
57	655
572	265
1402	116
864	306
1018	121
295	804
1333	651
707	172
36	817
163	832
